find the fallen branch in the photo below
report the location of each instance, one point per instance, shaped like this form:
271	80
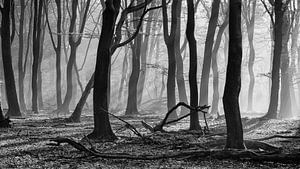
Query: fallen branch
278	136
218	154
159	127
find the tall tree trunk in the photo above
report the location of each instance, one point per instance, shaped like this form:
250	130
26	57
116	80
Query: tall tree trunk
21	71
285	96
144	52
38	7
190	30
11	93
233	79
207	52
131	107
169	40
74	42
179	64
272	110
249	15
58	54
215	102
102	128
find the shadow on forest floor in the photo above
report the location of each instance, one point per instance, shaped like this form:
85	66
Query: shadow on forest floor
26	144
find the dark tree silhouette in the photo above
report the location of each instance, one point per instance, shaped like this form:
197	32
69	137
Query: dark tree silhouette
272	110
11	93
170	43
190	29
233	79
102	128
38	8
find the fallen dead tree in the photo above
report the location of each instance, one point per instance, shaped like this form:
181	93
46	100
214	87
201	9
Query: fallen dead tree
254	155
159	126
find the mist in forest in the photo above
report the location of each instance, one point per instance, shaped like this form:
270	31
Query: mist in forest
155	64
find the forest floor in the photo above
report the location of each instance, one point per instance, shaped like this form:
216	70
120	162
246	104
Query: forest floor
26	144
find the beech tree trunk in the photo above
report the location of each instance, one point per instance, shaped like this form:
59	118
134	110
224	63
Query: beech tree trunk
285	95
38	7
74	42
207	52
215	102
272	110
21	70
75	117
170	43
233	79
11	93
132	101
190	30
249	16
102	128
179	64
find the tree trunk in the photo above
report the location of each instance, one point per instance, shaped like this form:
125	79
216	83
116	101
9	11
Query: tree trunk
58	54
38	7
74	42
207	52
11	93
233	79
250	20
131	107
75	117
272	110
21	71
102	128
190	29
215	102
144	52
169	40
285	96
179	64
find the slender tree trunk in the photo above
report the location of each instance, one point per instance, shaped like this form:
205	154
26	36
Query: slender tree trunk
179	64
58	54
250	20
272	110
207	52
21	71
75	117
38	7
215	102
144	52
123	78
102	128
233	79
190	29
169	40
132	101
285	96
74	42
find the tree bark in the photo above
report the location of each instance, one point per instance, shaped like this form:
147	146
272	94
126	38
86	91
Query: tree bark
233	79
215	102
249	16
207	53
190	29
169	41
179	64
102	128
285	111
132	101
38	7
11	93
272	110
